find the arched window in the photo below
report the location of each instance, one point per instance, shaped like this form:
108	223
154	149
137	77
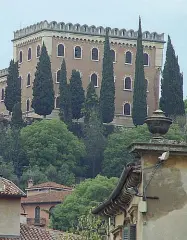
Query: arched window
37	215
60	50
128	57
147	85
58	76
146	59
57	102
95	54
28	105
28	80
77	52
29	54
2	94
127	109
20	57
113	55
94	79
51	211
38	51
128	83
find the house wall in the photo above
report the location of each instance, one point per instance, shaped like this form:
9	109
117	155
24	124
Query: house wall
9	217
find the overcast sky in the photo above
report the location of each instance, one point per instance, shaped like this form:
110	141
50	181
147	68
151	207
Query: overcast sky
168	16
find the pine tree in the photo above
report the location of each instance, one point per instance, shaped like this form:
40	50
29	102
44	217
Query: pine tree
16	120
43	92
91	102
13	89
139	111
107	93
171	101
65	97
77	94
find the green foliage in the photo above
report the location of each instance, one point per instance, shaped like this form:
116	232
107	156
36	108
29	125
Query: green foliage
107	93
116	155
49	142
91	102
13	88
185	105
85	196
16	120
43	92
139	111
171	101
95	142
77	94
7	171
65	96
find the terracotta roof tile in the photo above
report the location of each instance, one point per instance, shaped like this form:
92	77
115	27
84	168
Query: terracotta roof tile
8	188
49	185
53	196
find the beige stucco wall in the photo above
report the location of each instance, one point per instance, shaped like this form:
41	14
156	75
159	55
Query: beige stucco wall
9	217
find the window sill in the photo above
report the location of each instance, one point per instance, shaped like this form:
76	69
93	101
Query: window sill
127	115
28	60
96	86
20	63
60	56
57	82
28	86
94	60
128	64
2	100
146	65
128	90
78	58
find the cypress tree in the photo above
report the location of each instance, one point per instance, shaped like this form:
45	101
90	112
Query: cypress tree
65	97
91	102
139	111
13	89
171	101
16	120
107	93
43	92
77	94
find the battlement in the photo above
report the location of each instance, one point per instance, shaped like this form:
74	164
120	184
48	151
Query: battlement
3	72
87	30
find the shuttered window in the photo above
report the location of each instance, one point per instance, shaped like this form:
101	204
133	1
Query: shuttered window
129	232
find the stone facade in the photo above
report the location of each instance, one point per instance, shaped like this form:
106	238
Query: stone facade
87	38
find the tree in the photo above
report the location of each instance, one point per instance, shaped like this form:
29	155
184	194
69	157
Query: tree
65	97
7	171
116	154
13	88
43	92
50	142
85	196
95	143
91	102
171	101
139	111
77	94
107	94
16	120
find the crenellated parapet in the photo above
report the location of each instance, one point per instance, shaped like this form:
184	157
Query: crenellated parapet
3	72
87	30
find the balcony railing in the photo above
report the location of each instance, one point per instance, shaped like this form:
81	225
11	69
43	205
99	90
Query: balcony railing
36	221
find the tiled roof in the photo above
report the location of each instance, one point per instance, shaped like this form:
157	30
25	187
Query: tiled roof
37	233
53	196
8	188
49	185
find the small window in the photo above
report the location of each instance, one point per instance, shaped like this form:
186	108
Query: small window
38	51
77	52
58	76
28	80
2	94
128	83
127	109
29	54
113	55
28	105
37	215
95	54
57	102
20	57
146	84
146	59
19	79
60	50
94	79
128	57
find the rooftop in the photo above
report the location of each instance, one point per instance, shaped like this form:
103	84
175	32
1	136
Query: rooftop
86	30
49	185
46	197
3	72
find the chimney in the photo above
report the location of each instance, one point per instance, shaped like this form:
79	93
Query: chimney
30	183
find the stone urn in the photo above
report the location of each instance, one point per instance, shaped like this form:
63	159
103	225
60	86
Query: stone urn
158	124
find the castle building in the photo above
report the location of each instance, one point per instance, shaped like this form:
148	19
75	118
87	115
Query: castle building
82	47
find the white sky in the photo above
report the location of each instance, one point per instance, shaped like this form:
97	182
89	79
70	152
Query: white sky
168	16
